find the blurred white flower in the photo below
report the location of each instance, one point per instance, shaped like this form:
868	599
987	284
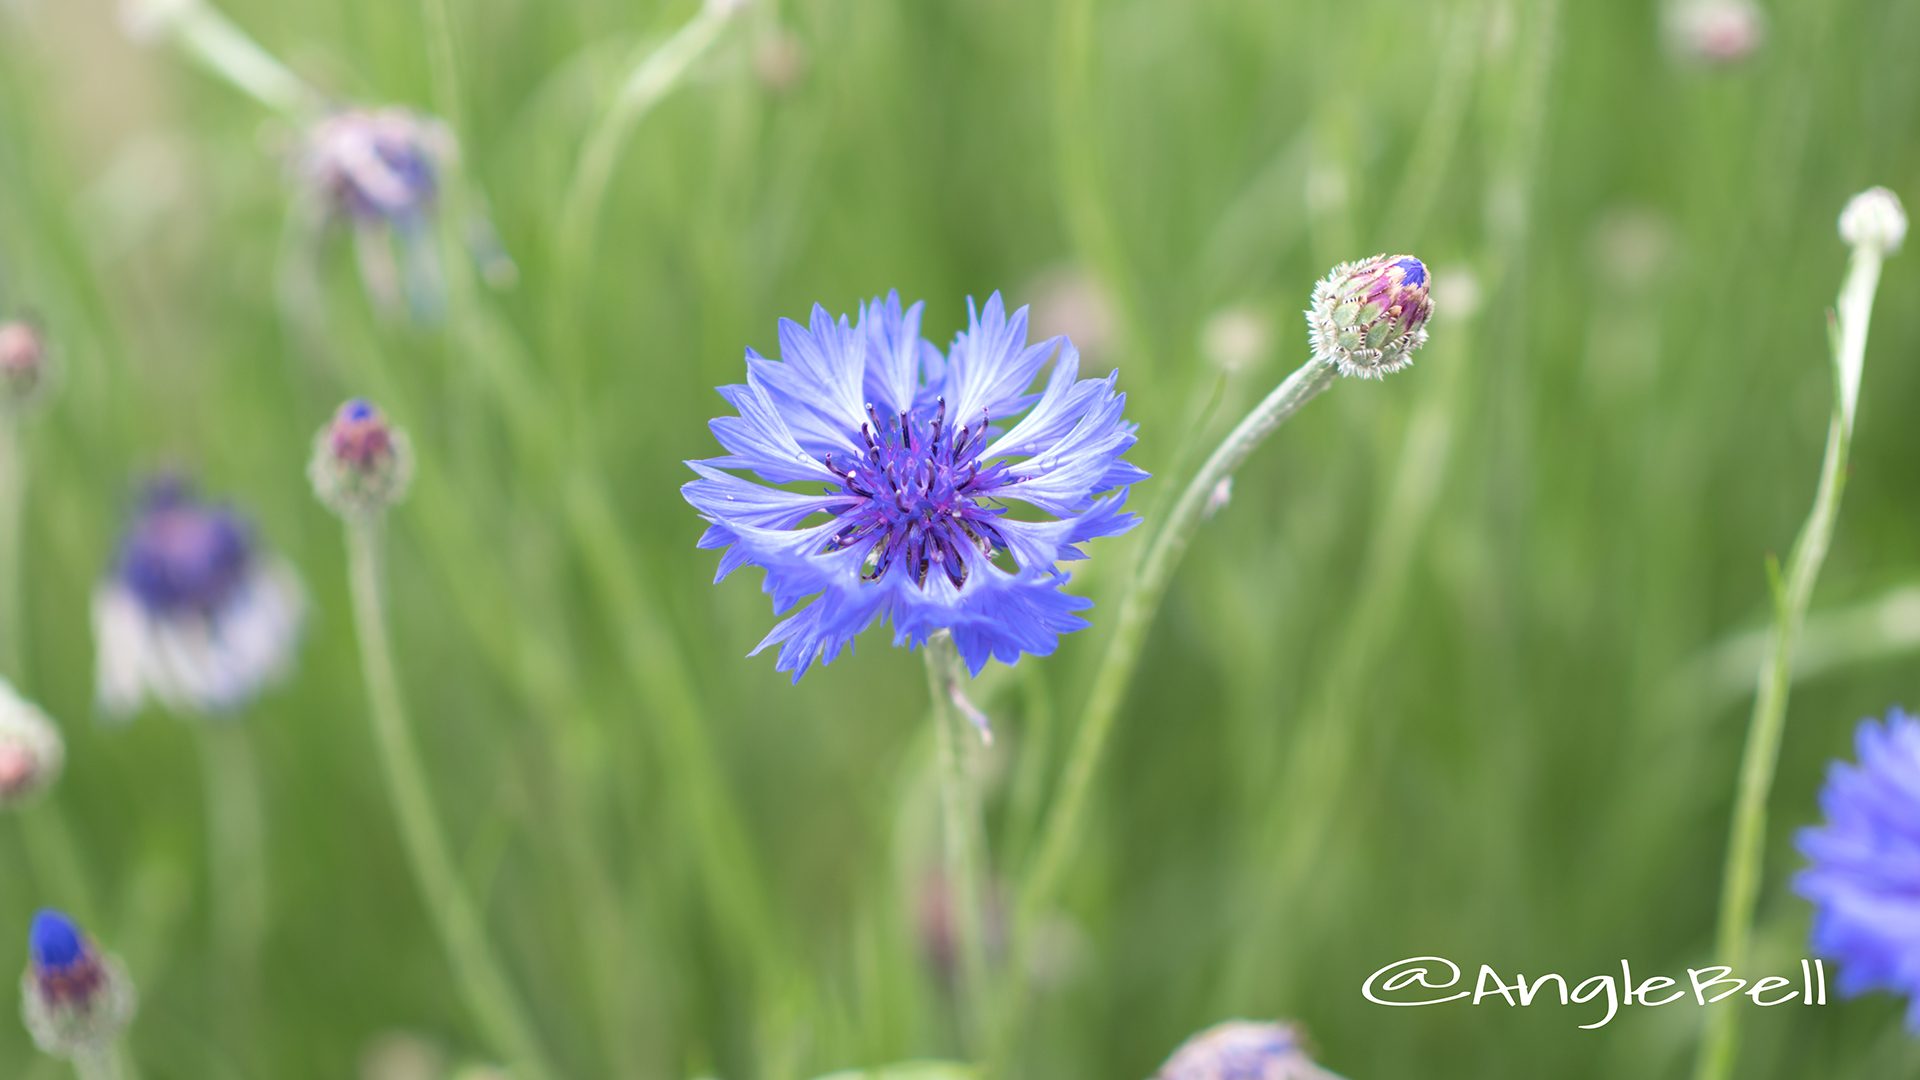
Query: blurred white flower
1874	218
1715	31
1237	338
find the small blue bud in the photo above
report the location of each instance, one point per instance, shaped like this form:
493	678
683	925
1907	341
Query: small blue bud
75	1000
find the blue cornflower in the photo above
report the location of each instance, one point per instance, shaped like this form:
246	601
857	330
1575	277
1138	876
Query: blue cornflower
1864	880
75	999
193	612
1243	1050
881	478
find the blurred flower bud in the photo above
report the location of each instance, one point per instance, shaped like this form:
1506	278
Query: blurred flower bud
1369	316
402	1055
1072	303
934	922
76	1000
377	165
1874	219
780	61
361	465
23	363
1243	1050
1237	338
31	751
1715	31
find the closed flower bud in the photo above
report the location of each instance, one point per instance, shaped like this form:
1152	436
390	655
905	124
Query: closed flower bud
76	1000
31	751
23	363
1874	219
1243	1050
361	465
1369	316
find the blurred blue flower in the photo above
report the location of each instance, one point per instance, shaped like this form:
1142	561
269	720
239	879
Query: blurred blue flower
881	473
193	612
75	999
1243	1050
1865	875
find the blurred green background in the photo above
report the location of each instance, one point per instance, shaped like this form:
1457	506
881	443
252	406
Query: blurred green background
1466	642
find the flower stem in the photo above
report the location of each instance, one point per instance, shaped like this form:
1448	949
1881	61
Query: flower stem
229	53
1060	833
1746	846
652	78
961	841
237	861
13	489
481	979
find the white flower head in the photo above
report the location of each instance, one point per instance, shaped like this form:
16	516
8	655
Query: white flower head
1874	219
31	750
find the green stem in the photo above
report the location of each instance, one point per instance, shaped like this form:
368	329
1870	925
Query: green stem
961	838
229	53
653	77
1060	835
237	862
1746	846
13	491
481	979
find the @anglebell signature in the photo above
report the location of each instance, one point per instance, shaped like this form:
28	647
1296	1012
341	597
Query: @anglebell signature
1435	980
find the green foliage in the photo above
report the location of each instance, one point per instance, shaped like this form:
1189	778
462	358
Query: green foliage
1482	588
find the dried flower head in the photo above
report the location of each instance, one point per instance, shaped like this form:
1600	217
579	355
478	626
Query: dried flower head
361	464
23	363
1865	859
1243	1050
911	458
75	999
1874	219
1368	317
194	613
31	750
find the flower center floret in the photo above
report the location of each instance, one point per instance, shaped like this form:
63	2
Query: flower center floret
921	496
184	557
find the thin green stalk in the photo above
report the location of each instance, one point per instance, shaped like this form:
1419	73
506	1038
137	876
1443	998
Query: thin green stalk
13	491
480	977
653	77
960	839
230	54
1060	835
237	867
1746	846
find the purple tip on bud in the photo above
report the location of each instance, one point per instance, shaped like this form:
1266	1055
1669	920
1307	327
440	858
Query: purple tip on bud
77	1000
361	464
23	363
1368	317
54	942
